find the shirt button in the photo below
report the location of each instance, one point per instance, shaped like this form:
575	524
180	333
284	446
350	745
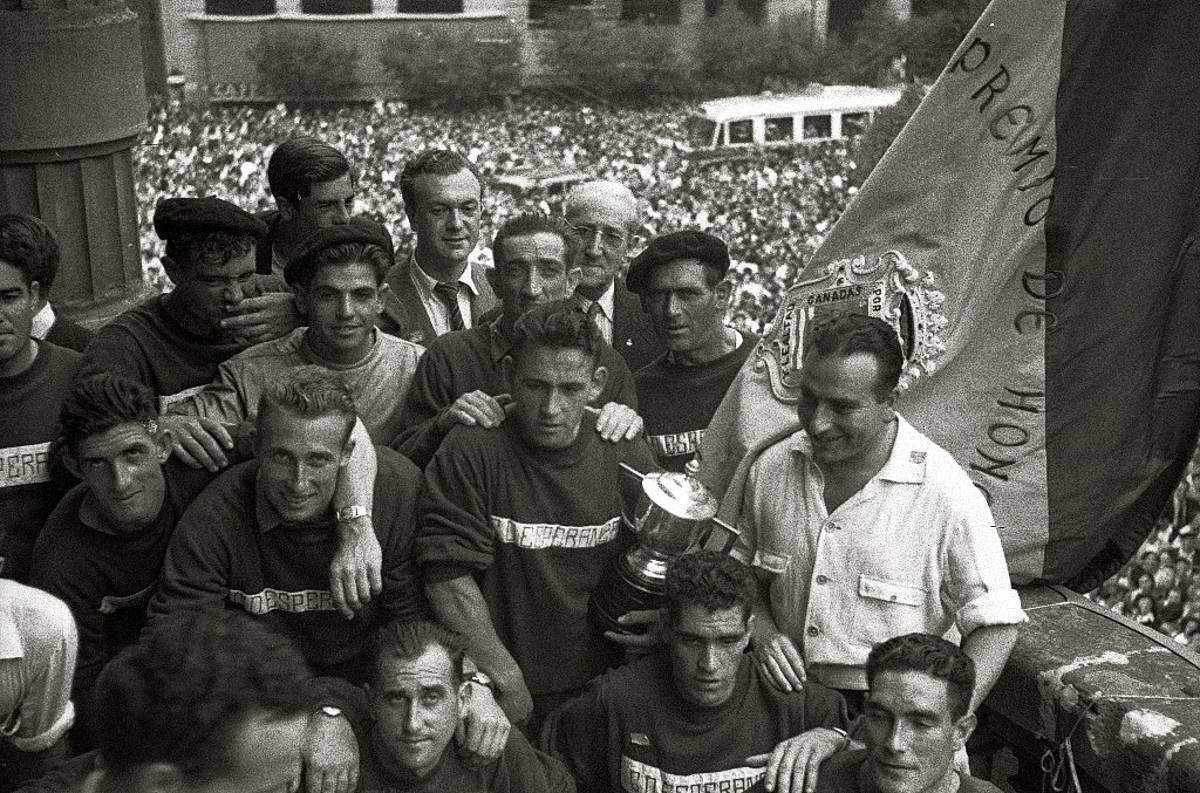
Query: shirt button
812	630
822	579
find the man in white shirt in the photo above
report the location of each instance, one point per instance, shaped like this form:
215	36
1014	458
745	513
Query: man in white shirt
861	528
438	289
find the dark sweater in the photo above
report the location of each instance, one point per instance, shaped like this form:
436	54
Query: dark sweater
147	344
842	774
519	769
632	731
678	402
107	579
71	335
537	529
469	360
30	485
220	556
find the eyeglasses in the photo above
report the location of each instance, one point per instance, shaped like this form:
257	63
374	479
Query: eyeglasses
588	233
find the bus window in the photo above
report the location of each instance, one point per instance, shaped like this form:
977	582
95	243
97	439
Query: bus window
817	127
741	131
854	124
778	129
700	131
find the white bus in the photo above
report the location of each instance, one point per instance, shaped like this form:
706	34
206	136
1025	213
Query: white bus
821	112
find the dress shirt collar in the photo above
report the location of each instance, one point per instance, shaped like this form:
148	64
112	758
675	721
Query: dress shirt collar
905	463
606	301
425	281
42	322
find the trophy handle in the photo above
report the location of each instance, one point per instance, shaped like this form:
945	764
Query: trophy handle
705	536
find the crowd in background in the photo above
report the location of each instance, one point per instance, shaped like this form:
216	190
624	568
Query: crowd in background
773	207
1160	586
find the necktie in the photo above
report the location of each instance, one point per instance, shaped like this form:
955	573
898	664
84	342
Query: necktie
448	294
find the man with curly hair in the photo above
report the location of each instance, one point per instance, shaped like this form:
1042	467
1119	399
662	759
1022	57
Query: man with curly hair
698	716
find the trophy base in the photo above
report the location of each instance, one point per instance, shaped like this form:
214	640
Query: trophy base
621	591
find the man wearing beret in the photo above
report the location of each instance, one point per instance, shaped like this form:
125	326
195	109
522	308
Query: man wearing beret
680	279
337	274
174	342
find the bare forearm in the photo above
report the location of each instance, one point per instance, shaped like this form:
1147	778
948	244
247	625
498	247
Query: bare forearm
356	479
460	606
989	648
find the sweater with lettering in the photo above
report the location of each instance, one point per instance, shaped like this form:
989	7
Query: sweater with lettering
148	344
632	731
468	360
107	578
30	485
227	552
536	528
678	402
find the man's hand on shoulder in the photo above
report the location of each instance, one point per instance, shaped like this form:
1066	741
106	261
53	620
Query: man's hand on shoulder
262	318
793	766
647	639
198	441
482	733
779	660
330	755
356	572
616	422
475	409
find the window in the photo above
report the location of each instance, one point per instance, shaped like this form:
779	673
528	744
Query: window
854	123
239	7
817	127
778	129
429	6
741	132
554	10
335	6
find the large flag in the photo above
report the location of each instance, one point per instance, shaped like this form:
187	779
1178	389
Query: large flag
1029	233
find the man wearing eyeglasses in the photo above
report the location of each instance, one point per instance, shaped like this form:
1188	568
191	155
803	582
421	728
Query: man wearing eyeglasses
438	289
605	217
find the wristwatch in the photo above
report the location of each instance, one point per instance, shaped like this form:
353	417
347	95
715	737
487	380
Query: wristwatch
351	512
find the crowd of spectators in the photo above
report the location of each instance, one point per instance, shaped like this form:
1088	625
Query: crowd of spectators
1160	587
773	207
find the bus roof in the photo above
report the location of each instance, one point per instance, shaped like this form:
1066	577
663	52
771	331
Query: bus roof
816	99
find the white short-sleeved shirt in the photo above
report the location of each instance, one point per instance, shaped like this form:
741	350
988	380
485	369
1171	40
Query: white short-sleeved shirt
915	549
38	646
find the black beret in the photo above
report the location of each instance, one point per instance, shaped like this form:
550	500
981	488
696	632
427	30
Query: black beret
688	244
357	230
176	216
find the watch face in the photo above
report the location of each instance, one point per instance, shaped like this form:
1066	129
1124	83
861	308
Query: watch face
330	710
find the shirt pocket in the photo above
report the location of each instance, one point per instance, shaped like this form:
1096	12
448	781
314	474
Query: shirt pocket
886	609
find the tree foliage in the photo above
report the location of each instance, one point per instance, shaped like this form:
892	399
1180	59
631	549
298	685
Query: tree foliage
443	66
627	61
296	65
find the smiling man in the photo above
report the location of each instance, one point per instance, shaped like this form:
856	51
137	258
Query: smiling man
439	290
680	280
338	278
407	717
460	381
817	507
698	716
518	522
919	690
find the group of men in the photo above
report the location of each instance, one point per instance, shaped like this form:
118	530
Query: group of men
404	479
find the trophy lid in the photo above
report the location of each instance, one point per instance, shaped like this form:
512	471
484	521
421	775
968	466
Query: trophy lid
680	495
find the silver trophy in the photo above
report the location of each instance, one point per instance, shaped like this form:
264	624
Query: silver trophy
675	514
